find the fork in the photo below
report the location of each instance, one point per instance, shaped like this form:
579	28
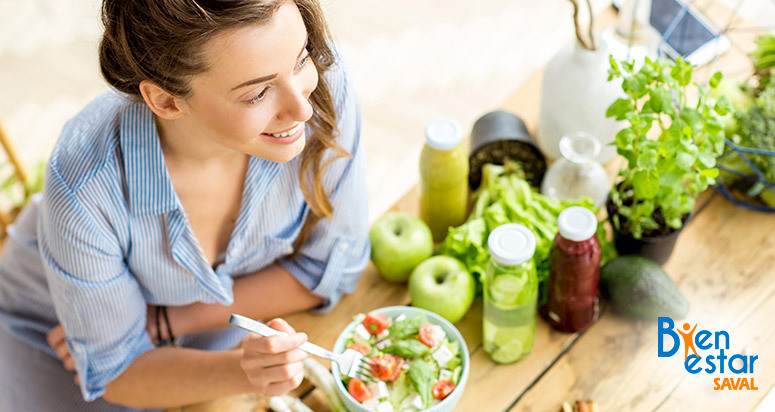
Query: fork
351	362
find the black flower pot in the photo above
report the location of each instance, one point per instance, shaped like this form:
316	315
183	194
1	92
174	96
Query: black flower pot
657	248
500	135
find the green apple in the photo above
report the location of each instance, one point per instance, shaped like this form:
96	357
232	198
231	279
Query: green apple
399	242
443	285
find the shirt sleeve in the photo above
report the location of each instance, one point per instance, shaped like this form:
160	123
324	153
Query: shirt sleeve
337	251
97	300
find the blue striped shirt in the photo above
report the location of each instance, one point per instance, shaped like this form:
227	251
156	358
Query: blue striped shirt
109	236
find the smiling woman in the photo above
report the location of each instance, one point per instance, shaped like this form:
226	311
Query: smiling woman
222	174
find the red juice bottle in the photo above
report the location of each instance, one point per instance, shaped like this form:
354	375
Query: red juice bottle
574	271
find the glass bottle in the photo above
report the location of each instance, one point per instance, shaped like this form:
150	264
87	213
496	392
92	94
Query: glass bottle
574	270
443	178
510	294
577	174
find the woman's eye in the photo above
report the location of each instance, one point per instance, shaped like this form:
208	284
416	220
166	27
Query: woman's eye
259	96
302	62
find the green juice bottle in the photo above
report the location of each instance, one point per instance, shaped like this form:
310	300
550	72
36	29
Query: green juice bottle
510	294
443	178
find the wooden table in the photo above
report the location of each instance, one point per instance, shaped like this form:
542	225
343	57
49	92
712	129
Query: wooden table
724	263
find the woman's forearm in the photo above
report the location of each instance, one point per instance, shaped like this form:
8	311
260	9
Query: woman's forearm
169	377
266	294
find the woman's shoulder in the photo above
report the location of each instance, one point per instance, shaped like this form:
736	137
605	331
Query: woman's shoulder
89	139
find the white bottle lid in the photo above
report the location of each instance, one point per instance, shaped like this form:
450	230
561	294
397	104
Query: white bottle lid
577	223
511	244
443	134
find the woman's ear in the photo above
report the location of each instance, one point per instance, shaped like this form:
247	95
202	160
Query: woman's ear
161	102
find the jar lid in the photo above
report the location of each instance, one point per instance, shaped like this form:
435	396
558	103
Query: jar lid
577	223
443	134
511	244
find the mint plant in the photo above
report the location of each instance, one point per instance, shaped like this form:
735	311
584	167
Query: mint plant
665	171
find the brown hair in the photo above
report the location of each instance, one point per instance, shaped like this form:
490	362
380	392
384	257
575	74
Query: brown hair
162	41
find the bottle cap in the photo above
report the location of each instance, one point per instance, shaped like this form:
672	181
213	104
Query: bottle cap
511	244
443	134
577	223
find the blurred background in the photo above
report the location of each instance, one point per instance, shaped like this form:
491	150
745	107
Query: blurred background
413	61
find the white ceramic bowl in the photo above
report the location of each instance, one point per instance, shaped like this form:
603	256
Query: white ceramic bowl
446	405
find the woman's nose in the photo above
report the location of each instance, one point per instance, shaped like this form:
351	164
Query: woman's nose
295	105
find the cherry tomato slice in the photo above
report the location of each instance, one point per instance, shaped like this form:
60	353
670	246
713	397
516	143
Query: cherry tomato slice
383	367
358	390
442	389
399	363
359	348
375	323
428	335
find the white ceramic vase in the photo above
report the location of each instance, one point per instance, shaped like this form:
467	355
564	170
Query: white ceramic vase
574	98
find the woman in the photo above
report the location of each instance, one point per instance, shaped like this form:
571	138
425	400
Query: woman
223	174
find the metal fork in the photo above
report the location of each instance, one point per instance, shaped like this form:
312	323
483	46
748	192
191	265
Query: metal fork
352	363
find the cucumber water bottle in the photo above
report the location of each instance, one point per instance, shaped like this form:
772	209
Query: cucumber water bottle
510	294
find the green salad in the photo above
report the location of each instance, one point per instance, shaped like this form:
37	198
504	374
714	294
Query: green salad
414	363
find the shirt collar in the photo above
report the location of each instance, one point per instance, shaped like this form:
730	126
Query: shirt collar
148	182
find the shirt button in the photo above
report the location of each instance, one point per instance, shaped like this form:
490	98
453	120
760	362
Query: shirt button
343	246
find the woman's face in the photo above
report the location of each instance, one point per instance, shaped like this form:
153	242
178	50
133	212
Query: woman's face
254	96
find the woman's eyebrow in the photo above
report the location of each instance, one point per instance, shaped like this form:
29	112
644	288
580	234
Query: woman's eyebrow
269	77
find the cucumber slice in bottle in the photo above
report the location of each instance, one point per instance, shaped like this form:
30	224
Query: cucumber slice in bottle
506	289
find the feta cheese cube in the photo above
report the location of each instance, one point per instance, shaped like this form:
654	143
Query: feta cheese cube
437	335
405	365
378	390
417	403
385	407
401	317
382	335
445	375
382	345
370	404
361	335
442	355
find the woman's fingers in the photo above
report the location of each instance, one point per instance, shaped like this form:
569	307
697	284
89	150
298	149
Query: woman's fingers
283	358
62	350
55	336
281	388
281	325
69	363
257	344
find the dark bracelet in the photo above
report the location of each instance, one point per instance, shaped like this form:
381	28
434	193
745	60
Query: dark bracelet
170	340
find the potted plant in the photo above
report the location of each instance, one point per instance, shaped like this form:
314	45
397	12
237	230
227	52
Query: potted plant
670	146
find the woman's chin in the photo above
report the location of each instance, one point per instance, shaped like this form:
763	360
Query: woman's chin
282	153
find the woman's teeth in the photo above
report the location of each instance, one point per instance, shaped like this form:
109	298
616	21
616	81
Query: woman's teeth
288	133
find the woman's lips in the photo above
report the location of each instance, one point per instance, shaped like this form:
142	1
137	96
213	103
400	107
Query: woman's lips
293	134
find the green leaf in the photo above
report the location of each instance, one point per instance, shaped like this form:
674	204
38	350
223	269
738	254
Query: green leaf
714	80
707	160
723	106
711	173
407	326
684	160
620	108
647	160
660	99
421	374
407	348
646	184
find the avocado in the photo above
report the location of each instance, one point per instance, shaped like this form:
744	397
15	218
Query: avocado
638	287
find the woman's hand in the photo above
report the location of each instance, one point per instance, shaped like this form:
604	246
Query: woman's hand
273	365
56	339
